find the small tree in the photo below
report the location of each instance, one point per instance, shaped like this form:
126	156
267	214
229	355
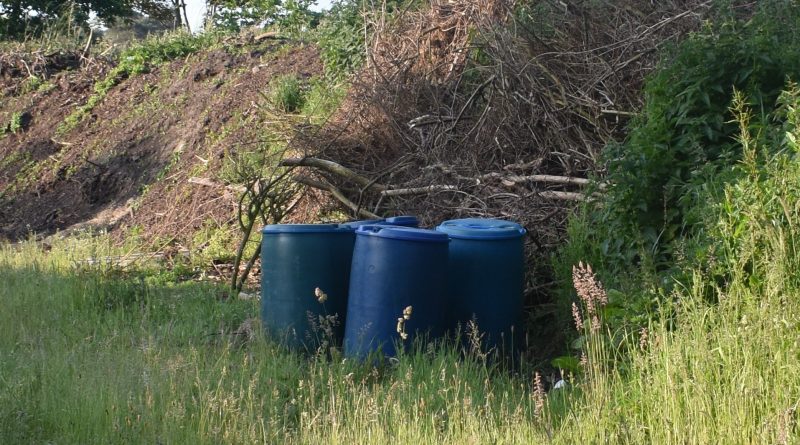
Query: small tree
269	195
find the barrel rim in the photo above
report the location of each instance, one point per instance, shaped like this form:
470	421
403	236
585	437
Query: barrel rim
403	220
481	229
403	233
304	228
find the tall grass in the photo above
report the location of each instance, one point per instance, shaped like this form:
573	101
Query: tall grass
721	364
95	355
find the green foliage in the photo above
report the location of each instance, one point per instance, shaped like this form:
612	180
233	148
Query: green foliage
683	145
294	17
734	327
341	38
215	242
341	32
287	93
32	83
680	154
15	124
99	355
21	18
322	99
234	15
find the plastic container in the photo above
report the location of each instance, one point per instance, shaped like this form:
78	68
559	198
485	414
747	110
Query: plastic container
296	259
486	274
394	268
363	222
403	220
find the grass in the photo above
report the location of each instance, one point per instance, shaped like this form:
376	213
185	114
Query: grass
100	355
94	355
138	59
97	356
287	94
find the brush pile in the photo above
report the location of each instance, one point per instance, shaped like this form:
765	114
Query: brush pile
486	108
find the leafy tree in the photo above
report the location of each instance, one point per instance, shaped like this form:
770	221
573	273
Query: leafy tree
236	14
20	16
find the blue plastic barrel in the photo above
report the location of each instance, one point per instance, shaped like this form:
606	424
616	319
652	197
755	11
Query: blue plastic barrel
394	268
296	259
403	220
362	222
486	278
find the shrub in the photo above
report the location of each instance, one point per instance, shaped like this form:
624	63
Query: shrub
683	145
682	151
341	38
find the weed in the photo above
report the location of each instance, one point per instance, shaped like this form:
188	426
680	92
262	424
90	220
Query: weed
32	83
15	124
287	94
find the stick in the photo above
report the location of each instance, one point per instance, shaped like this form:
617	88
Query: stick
209	183
334	168
564	196
418	190
336	194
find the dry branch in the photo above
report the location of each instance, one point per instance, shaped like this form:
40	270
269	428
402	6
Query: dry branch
333	167
563	196
336	193
418	190
209	183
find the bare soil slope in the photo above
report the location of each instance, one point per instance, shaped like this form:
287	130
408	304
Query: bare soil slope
128	163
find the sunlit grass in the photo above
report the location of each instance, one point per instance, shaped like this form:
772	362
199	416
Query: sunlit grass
92	354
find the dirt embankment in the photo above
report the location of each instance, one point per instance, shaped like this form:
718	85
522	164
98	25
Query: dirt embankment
127	164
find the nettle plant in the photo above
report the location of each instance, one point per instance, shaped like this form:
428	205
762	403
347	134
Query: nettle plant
682	147
663	181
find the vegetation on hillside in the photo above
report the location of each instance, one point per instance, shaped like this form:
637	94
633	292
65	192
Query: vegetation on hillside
94	355
676	278
681	152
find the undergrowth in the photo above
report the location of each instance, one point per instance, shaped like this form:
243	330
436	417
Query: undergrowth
680	154
96	354
718	361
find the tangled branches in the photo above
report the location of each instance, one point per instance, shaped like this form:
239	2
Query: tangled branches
477	100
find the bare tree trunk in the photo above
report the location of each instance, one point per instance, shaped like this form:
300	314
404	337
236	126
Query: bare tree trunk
177	21
185	17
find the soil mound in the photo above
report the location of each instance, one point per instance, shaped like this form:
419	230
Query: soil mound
128	163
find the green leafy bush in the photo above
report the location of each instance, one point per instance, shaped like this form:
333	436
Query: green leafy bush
682	151
683	145
340	34
341	38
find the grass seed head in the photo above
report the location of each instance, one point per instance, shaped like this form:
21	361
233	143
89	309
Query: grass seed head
322	297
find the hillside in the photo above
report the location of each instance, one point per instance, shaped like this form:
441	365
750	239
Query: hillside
650	149
127	163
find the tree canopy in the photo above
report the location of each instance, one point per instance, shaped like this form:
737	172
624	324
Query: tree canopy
21	17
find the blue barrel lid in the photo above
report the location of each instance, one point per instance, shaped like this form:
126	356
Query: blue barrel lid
356	224
304	228
481	229
403	233
403	220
